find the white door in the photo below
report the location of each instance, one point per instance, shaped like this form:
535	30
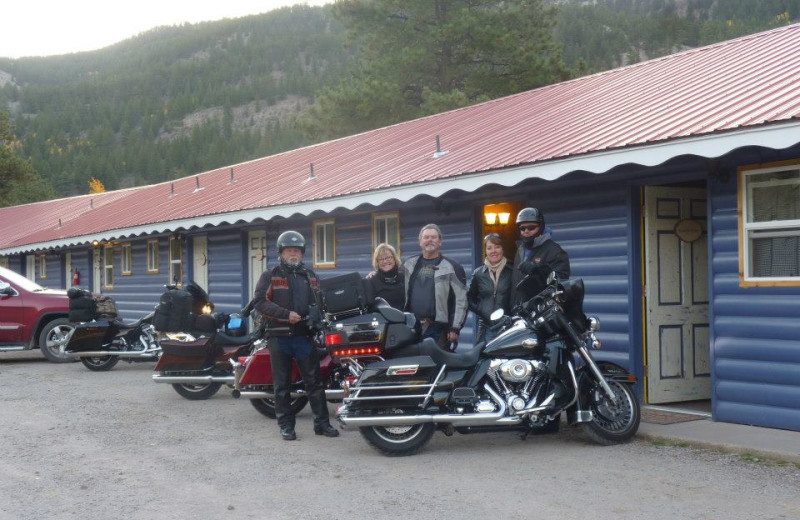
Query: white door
30	267
257	258
200	260
67	270
96	270
678	354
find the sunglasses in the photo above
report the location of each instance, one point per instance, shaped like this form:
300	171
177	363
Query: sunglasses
492	235
531	227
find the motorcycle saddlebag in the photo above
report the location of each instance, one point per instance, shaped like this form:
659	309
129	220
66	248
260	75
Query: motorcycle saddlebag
172	312
343	294
82	308
414	375
186	355
90	336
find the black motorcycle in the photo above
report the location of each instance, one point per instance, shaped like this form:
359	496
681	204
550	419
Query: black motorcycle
521	380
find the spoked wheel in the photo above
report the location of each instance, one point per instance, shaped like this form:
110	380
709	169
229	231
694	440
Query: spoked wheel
197	392
100	363
398	441
267	405
612	423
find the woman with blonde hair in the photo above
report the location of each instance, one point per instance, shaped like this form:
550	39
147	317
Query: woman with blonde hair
388	280
490	287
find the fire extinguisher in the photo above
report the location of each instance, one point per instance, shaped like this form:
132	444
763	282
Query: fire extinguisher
76	277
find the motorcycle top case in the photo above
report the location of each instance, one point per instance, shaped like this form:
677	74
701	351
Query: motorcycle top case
90	336
344	294
173	311
414	375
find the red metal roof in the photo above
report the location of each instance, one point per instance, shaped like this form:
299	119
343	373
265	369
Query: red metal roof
739	84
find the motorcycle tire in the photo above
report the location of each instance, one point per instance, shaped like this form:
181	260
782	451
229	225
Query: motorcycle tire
398	441
52	337
612	424
267	406
100	364
197	392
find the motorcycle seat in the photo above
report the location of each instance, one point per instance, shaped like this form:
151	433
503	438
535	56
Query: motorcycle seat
128	324
223	339
467	359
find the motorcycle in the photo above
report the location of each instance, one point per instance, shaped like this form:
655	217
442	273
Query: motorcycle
351	341
197	362
522	380
100	339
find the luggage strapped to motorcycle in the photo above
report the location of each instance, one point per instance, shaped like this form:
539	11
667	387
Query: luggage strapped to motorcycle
344	296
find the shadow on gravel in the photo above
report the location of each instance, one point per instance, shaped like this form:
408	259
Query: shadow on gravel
22	356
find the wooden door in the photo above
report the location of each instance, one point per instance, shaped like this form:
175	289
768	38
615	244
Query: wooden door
257	258
678	353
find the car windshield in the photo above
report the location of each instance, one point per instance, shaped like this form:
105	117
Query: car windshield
19	281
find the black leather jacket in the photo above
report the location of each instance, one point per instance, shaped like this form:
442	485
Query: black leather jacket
545	252
482	297
275	297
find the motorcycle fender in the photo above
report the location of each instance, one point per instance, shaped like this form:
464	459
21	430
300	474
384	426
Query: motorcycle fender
611	371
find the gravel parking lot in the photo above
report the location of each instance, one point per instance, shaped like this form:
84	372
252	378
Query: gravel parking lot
79	444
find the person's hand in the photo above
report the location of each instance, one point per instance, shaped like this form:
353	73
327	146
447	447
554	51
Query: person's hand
370	275
452	336
294	317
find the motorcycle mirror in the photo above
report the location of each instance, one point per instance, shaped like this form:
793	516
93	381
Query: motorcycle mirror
496	315
551	277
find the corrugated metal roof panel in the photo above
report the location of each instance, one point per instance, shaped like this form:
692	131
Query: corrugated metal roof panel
746	82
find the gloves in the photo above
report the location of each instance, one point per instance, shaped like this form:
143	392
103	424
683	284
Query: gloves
529	267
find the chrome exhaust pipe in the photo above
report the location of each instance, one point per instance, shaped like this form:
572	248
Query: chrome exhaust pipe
497	418
193	380
247	394
106	353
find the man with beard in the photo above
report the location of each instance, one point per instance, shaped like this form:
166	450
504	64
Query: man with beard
285	295
537	255
436	289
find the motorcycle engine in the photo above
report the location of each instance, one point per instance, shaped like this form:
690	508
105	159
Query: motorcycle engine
516	379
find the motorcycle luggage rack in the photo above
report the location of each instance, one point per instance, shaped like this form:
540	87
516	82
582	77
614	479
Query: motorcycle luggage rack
356	391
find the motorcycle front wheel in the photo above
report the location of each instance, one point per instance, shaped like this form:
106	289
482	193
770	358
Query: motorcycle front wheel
398	441
197	392
266	406
612	423
101	363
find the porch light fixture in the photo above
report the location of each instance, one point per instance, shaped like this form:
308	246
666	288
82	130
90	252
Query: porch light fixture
491	218
503	216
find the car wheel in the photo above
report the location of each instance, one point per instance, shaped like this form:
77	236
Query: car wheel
53	339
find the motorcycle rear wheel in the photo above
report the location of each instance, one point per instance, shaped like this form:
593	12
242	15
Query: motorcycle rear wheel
612	424
398	441
266	406
199	392
101	363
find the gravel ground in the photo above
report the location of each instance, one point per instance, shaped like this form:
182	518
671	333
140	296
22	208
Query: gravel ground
80	444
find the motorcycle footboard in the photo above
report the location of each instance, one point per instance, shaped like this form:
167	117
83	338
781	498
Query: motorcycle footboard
407	383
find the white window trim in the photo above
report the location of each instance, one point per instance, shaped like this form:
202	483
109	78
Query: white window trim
314	225
384	217
108	267
126	257
173	262
762	229
4	261
153	269
42	267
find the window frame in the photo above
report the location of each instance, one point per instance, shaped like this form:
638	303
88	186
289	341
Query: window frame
4	261
153	247
749	230
108	266
43	267
326	263
126	257
171	262
384	216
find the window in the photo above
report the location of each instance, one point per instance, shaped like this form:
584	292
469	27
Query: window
125	260
386	229
770	225
4	261
108	267
42	267
324	244
175	260
152	256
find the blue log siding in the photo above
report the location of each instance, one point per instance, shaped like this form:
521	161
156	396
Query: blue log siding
227	268
136	294
54	273
756	333
82	260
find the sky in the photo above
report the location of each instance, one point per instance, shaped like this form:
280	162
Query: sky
50	27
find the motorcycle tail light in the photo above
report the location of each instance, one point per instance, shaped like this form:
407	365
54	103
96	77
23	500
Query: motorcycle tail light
331	340
360	351
243	359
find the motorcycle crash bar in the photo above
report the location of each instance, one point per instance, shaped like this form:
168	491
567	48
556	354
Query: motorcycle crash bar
106	353
192	380
329	394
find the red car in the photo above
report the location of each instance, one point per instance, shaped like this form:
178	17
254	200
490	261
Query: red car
32	316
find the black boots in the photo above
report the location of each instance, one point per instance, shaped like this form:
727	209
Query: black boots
326	429
288	434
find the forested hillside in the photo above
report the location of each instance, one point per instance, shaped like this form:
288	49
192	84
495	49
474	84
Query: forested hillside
180	100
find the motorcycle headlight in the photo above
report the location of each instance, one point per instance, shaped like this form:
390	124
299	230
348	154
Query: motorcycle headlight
594	323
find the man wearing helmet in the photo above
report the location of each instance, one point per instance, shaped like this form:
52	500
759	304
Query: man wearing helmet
286	295
537	255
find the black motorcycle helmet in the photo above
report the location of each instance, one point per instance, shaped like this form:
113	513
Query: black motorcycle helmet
530	215
291	239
